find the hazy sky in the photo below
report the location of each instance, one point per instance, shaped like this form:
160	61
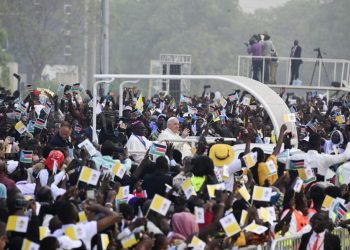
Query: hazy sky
251	5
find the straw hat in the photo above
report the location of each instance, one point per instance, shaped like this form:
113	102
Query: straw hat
221	154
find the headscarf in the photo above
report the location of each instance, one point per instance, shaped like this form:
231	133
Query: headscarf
328	147
55	155
184	224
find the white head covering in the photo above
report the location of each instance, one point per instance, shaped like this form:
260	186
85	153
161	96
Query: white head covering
11	166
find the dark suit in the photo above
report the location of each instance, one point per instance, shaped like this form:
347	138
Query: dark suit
331	241
295	63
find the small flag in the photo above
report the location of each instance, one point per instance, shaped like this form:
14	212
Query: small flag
23	108
254	228
129	241
197	244
47	107
291	117
215	115
262	193
139	103
298	185
77	128
43	232
340	119
20	127
118	170
17	223
223	102
26	156
267	214
17	114
29	245
250	159
76	87
29	87
244	193
185	99
187	188
246	101
230	225
160	204
82	217
157	150
104	241
271	167
295	164
39	123
30	126
75	232
223	119
244	215
328	202
313	126
89	176
211	189
123	193
307	175
60	87
340	211
199	215
233	97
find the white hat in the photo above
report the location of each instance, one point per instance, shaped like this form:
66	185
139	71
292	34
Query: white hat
127	108
11	166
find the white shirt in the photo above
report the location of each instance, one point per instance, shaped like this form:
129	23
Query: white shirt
138	143
168	135
322	162
25	187
313	238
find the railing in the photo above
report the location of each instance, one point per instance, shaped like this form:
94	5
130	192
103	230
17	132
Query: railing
286	243
315	73
344	237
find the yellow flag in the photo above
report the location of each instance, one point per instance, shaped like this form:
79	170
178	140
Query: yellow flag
250	159
89	176
118	170
82	216
254	228
129	241
104	241
187	188
243	217
211	189
244	193
230	225
340	119
160	204
327	202
139	103
197	243
291	117
17	223
262	193
123	193
29	245
43	232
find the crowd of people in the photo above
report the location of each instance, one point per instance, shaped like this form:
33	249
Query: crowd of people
141	185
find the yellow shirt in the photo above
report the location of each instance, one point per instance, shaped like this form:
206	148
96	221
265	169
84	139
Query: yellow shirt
263	171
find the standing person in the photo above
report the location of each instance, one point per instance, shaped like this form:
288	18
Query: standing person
295	63
274	66
267	47
255	49
319	237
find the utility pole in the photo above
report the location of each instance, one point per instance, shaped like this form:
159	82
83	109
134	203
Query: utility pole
105	42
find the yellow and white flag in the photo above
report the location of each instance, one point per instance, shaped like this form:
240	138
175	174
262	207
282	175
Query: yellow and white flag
254	228
340	119
43	232
246	101
211	189
123	193
118	170
188	188
139	103
250	159
267	214
17	223
20	127
89	176
328	202
29	245
82	217
129	241
291	117
244	193
223	102
230	225
197	244
104	241
262	193
298	185
75	232
160	204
